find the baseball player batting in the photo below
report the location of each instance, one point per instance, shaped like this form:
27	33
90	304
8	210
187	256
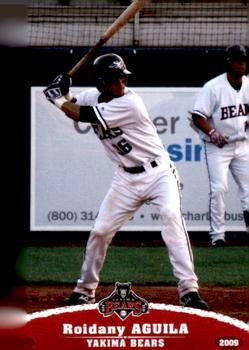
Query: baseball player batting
143	172
221	112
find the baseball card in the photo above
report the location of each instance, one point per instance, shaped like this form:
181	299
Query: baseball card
130	175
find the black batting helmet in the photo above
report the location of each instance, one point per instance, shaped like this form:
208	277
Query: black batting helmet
108	68
235	53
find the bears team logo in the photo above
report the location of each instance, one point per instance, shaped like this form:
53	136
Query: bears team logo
123	301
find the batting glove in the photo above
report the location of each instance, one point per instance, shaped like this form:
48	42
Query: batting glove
54	94
217	139
65	82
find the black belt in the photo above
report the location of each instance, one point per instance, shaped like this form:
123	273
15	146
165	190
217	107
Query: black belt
139	169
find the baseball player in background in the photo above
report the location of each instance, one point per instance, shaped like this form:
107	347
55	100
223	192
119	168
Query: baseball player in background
221	112
143	172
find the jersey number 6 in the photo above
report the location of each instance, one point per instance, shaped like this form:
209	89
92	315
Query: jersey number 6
123	147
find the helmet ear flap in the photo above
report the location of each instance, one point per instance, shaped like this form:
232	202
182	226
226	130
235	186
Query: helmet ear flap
100	84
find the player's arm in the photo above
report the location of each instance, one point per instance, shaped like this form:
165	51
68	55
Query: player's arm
201	123
85	114
59	94
215	137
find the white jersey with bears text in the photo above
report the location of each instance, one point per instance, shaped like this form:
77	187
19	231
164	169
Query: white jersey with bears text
224	107
126	130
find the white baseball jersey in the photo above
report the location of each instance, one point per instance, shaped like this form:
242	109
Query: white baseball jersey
126	130
224	107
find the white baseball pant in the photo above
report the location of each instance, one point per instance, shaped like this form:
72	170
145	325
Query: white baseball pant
234	157
128	192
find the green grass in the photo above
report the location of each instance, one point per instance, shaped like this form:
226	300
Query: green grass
140	265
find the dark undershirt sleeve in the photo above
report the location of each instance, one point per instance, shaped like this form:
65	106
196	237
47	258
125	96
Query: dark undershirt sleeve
87	115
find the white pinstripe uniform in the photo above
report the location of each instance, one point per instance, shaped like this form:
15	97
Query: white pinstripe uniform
225	109
130	140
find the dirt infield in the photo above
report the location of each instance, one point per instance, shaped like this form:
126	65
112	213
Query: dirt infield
233	302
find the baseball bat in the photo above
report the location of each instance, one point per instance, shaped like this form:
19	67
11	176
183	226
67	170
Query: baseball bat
123	19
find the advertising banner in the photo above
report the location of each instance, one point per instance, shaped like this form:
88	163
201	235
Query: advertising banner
70	172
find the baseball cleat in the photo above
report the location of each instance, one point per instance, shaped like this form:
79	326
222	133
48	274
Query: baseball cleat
78	299
193	300
219	243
